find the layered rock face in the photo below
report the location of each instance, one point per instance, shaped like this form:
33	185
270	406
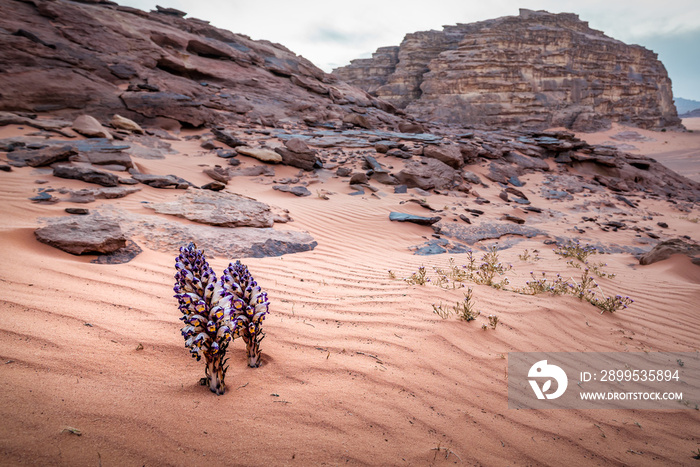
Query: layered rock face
96	57
534	70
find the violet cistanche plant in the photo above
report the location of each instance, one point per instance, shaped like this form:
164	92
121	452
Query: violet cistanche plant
249	305
216	311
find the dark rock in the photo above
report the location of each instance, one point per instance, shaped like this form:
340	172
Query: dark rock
86	174
526	162
358	178
449	154
227	138
214	186
400	189
396	152
532	209
295	190
107	158
226	154
208	145
662	225
43	197
667	248
357	120
471	177
343	171
5	168
123	70
297	153
220	209
504	196
170	11
411	127
516	192
515	181
626	201
85	234
512	218
41	157
465	218
420	220
218	174
78	211
162	181
385	178
120	256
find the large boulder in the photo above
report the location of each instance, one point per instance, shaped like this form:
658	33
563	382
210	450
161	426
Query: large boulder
261	154
667	248
298	154
83	234
447	153
428	174
88	126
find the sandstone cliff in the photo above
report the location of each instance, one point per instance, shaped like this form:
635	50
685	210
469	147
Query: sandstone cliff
534	70
96	57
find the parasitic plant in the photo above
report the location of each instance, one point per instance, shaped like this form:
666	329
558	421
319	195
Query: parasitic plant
249	307
213	311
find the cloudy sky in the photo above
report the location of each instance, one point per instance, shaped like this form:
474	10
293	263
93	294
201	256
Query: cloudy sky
330	34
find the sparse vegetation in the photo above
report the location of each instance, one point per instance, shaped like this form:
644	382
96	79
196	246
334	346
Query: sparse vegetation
465	309
418	278
574	249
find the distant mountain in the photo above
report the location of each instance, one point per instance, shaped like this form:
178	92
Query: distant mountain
687	106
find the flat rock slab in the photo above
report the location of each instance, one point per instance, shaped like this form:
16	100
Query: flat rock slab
420	220
220	209
84	234
471	234
168	236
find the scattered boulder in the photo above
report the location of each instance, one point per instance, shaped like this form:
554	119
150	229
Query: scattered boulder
357	120
214	186
297	153
219	174
449	154
420	220
359	178
471	177
261	154
220	209
162	181
84	234
227	138
427	174
90	127
87	174
41	157
123	123
411	127
667	248
295	190
512	218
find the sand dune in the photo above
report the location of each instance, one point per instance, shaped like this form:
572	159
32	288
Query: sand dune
357	368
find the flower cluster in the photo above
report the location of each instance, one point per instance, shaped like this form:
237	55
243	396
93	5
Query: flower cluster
216	311
249	306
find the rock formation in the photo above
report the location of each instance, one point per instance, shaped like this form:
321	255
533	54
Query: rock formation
535	70
101	59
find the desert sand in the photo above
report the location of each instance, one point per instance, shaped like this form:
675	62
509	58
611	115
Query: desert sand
357	369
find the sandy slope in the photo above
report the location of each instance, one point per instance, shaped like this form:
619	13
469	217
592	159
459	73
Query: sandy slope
357	368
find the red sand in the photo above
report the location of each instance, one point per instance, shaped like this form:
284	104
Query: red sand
357	368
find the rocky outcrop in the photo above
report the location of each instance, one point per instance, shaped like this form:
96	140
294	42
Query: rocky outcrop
535	70
70	58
